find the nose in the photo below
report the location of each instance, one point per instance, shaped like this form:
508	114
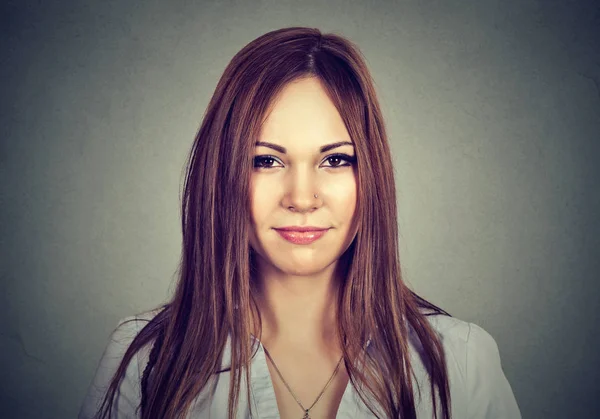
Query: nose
301	190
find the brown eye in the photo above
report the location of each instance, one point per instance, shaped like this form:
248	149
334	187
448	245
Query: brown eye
264	162
343	157
335	161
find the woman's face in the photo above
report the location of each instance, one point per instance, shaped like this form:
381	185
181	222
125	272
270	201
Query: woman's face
302	120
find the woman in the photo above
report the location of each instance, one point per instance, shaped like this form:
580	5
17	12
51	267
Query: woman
268	321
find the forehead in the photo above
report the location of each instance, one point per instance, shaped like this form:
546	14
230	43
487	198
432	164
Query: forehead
303	113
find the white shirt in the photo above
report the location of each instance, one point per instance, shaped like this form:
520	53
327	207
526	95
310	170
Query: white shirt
478	386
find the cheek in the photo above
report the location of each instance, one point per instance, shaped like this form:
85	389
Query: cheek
344	195
261	199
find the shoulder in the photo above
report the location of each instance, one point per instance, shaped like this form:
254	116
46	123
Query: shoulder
119	341
475	369
454	335
449	327
125	331
464	339
128	327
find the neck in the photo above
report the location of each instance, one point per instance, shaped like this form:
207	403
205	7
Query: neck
295	310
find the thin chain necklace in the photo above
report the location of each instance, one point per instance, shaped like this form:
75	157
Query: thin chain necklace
306	415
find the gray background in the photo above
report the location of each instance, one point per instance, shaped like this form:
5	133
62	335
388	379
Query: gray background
493	111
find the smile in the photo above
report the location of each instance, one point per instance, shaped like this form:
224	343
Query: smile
301	237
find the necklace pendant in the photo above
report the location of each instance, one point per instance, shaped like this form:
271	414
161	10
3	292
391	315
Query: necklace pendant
306	416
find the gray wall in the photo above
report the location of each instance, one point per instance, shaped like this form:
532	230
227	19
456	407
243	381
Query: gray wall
493	111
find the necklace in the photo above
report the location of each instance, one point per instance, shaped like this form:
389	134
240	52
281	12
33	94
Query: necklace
306	415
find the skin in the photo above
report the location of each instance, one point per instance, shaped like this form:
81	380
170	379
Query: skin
297	285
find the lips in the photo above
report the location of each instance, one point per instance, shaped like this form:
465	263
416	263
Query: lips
303	236
301	228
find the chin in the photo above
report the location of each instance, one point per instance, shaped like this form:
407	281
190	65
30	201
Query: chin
304	266
304	271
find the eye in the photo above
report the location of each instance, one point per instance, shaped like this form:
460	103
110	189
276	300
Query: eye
266	161
350	160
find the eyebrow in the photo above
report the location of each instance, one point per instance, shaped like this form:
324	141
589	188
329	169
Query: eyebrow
323	149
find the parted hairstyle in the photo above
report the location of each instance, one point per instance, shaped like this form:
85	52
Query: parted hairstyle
215	293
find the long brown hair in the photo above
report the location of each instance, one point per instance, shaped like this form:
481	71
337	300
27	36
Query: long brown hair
215	297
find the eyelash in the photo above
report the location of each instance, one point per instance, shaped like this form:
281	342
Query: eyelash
350	159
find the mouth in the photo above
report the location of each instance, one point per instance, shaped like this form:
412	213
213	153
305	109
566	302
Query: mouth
301	237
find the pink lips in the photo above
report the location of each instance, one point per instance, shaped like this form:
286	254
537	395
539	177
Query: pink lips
301	237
